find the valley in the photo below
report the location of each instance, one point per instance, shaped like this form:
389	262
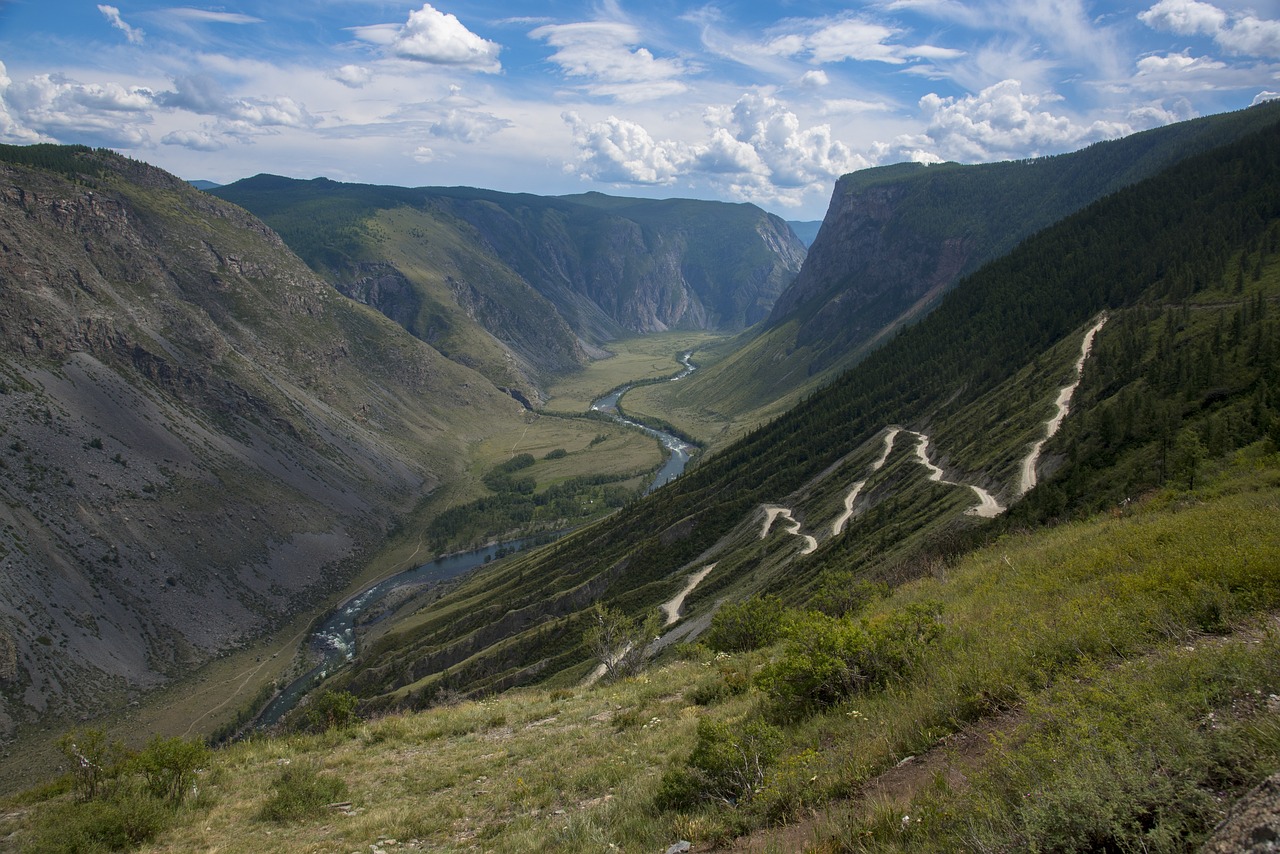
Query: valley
956	479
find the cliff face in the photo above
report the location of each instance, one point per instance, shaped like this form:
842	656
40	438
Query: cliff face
199	436
538	274
869	268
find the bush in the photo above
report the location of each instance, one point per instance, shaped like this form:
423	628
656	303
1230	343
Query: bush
301	792
746	625
169	766
617	641
333	710
120	822
827	660
842	594
728	764
730	680
94	761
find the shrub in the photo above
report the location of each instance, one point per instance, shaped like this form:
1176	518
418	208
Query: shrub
169	766
841	593
728	764
557	454
120	822
827	659
617	641
94	761
333	710
301	792
746	625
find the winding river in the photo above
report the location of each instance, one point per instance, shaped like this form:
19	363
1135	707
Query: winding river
335	640
678	450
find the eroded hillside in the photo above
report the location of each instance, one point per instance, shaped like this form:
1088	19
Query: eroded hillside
199	435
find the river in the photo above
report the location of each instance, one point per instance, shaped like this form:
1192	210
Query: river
678	450
335	640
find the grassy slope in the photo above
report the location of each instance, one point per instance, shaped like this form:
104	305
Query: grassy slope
1101	653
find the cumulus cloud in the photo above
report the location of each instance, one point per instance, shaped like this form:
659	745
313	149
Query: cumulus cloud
757	149
468	126
608	56
795	156
1240	33
133	34
438	38
12	130
351	76
1263	97
622	152
1002	121
815	79
56	107
195	140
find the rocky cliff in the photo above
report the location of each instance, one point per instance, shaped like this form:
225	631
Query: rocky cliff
199	435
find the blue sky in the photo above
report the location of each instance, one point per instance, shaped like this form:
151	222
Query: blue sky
739	101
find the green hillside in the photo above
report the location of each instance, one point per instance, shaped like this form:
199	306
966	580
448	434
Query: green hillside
1164	259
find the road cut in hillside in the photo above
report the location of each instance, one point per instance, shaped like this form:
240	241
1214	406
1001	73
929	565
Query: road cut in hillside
671	608
988	507
837	527
1063	403
772	512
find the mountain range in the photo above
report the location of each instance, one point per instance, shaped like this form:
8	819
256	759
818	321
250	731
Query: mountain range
218	405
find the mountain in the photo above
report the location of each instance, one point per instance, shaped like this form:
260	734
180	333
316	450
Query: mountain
896	238
201	437
523	287
204	185
1156	307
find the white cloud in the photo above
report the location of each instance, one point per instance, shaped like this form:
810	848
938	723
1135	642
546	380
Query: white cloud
756	149
441	39
622	152
352	76
1185	17
203	95
1263	97
195	140
796	157
608	55
1181	72
12	131
829	40
133	34
56	107
206	16
422	154
815	79
1235	32
468	125
1001	121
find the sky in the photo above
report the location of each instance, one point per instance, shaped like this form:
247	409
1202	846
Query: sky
756	102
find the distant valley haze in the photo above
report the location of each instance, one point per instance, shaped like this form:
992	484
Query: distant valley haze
754	102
